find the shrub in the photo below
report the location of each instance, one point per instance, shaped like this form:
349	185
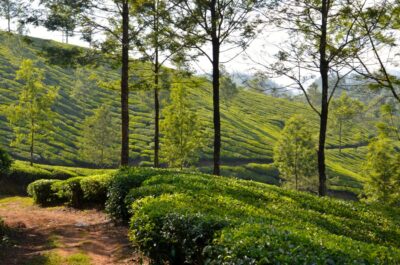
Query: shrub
75	191
22	174
122	182
5	162
170	231
200	219
260	244
70	191
95	188
42	191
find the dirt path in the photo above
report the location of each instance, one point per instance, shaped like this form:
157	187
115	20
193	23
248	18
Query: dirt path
62	235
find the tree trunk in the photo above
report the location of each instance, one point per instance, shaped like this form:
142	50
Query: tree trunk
295	169
9	16
156	119
340	136
324	68
125	86
216	75
32	140
156	98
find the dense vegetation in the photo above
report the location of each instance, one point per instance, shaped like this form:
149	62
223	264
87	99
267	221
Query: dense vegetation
252	121
21	174
194	218
118	104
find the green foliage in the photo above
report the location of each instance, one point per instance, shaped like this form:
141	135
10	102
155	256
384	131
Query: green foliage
99	142
176	238
228	88
183	138
344	110
5	162
42	191
76	191
295	155
390	123
95	188
70	191
22	174
241	222
251	123
31	117
382	169
62	15
123	181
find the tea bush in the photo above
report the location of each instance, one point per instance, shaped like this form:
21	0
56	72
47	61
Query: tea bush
75	192
202	219
42	191
192	218
95	188
70	191
122	182
5	163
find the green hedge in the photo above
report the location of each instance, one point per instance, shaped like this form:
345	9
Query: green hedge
43	193
122	182
202	219
22	174
5	163
75	192
107	190
95	188
70	191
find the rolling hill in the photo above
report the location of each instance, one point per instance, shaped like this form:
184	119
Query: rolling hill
251	121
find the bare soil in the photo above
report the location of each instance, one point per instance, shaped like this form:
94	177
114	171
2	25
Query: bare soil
64	231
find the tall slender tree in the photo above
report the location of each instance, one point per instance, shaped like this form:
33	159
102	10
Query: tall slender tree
294	154
157	43
62	15
11	9
113	20
31	116
344	109
209	25
99	137
322	37
182	141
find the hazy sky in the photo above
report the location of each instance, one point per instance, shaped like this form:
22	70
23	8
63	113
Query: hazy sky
239	63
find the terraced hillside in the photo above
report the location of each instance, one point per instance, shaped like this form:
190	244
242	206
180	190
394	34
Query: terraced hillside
251	121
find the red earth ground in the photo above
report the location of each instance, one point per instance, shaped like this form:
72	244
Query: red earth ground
65	232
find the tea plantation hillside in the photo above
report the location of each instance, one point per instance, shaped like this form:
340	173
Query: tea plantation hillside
182	217
251	121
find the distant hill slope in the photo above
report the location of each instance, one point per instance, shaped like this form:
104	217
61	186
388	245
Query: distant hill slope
251	122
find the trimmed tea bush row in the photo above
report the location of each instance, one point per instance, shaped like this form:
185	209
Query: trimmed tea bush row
192	218
75	191
108	190
123	181
202	219
21	174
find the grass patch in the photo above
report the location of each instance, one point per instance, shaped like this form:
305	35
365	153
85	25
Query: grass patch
24	201
53	258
